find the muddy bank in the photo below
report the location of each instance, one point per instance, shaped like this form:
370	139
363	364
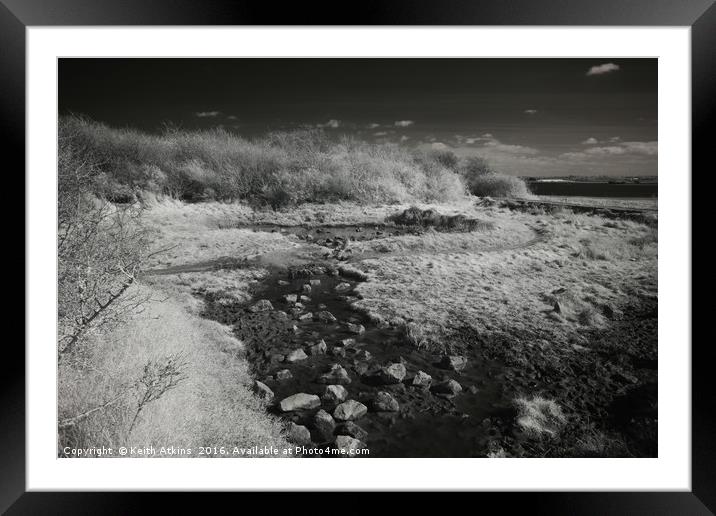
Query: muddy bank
425	421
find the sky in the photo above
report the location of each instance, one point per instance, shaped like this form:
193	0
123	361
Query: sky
527	117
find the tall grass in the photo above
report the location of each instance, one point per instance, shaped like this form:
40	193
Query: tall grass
279	169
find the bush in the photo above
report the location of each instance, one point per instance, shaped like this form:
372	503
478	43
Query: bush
278	170
497	185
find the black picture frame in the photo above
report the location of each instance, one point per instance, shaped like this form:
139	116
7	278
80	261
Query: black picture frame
700	15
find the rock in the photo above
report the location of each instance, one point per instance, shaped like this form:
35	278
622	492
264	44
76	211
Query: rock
393	373
358	329
263	305
336	375
290	298
343	287
347	342
473	389
298	434
263	391
281	315
318	349
385	402
295	329
335	394
283	283
447	389
363	355
321	306
300	401
305	299
315	282
349	446
306	317
422	379
350	410
557	307
296	355
352	273
295	312
453	362
306	289
283	374
337	351
324	424
351	429
326	317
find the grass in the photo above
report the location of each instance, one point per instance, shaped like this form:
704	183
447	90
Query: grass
539	418
213	406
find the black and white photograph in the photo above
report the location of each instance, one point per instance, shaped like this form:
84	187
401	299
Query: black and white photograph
357	257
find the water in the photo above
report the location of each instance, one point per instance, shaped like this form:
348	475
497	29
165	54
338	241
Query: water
612	190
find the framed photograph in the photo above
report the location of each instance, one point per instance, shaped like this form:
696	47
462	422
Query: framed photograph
447	247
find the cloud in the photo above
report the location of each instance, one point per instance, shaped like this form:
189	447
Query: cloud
331	124
602	69
380	133
373	126
404	123
232	117
614	139
487	135
530	111
632	149
590	141
439	146
207	114
404	138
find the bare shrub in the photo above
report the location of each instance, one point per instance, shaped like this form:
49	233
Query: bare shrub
497	185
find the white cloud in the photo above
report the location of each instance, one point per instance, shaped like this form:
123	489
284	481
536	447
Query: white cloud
439	146
380	133
232	117
530	111
404	123
590	141
602	69
487	135
207	114
373	126
404	138
614	139
332	124
620	149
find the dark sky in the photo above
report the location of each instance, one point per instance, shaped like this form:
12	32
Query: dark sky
527	116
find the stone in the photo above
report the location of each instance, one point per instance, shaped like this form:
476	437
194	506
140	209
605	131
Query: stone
305	299
315	282
337	351
281	315
347	342
300	401
393	373
290	298
324	425
385	402
306	289
263	391
352	273
326	317
343	287
453	362
351	429
283	283
350	410
283	374
298	434
308	316
263	305
296	355
422	380
335	394
336	375
447	388
318	349
349	446
363	355
358	329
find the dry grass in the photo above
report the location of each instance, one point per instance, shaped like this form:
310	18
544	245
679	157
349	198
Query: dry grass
213	406
539	418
